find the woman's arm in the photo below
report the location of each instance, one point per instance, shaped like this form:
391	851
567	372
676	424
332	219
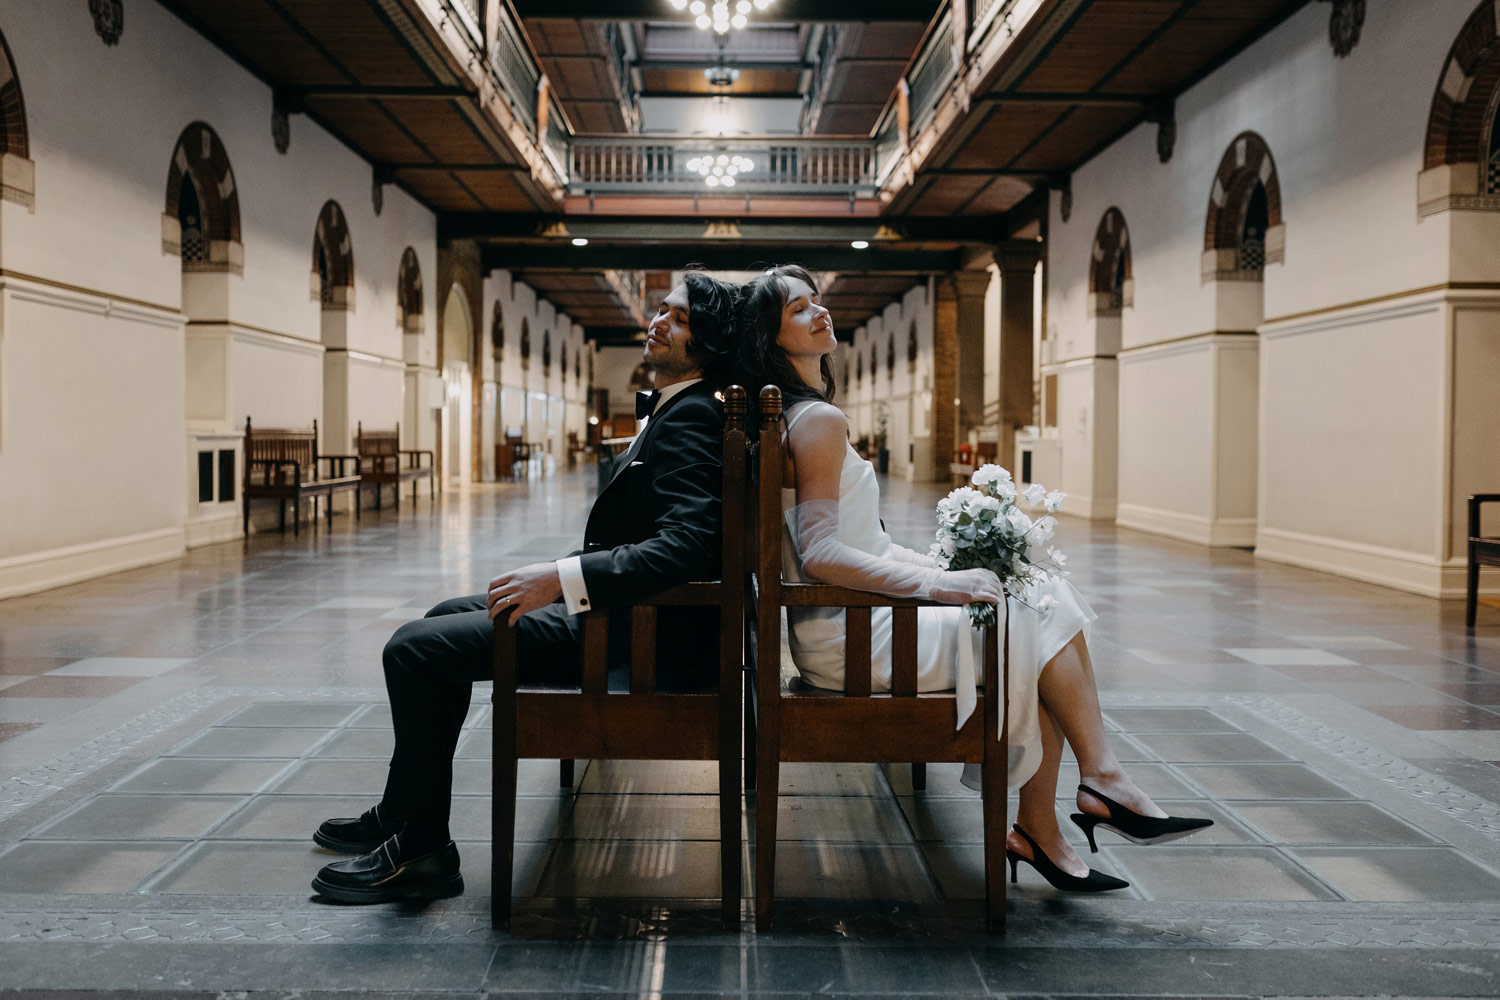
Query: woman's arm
817	444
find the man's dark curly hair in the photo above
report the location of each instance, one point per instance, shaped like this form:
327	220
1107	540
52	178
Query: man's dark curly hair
711	319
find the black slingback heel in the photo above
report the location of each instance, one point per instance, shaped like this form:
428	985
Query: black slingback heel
1055	876
1133	826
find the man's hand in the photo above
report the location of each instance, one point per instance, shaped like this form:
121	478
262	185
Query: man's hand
524	590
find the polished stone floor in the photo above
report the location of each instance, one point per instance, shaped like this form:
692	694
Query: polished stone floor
170	736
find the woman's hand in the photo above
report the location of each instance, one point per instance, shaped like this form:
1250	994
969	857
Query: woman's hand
967	586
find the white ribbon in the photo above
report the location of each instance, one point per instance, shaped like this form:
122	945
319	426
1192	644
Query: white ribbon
965	681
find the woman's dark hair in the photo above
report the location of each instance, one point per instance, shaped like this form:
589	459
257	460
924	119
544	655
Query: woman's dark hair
711	318
762	361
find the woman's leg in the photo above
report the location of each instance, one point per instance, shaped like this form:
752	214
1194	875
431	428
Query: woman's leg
1037	812
1068	692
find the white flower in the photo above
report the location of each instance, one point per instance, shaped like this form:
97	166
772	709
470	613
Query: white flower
1046	604
987	475
1054	501
1057	556
1035	494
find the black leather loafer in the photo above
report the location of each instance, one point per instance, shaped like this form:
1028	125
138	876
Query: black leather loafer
384	875
356	836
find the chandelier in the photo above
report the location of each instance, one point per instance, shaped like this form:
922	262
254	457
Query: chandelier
720	170
717	15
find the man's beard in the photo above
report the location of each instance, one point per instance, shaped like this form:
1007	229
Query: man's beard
671	366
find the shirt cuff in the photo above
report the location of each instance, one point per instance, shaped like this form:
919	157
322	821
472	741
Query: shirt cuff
575	592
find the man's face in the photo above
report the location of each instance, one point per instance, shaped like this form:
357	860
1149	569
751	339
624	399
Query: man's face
668	336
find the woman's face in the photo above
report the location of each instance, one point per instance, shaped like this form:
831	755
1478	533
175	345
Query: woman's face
806	327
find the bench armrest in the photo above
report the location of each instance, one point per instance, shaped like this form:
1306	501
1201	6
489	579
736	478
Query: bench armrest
273	463
414	457
1475	502
824	595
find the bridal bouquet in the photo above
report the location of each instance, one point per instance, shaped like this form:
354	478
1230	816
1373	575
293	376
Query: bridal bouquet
983	527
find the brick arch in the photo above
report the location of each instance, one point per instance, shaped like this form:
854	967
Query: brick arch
1111	278
200	157
409	292
1461	120
334	276
1248	160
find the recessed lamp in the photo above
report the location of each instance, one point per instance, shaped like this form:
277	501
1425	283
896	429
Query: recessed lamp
579	241
860	244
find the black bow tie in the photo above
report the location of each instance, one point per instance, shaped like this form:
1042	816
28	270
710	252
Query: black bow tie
645	404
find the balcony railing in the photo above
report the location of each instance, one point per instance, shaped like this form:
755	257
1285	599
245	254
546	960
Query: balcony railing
659	164
933	72
519	74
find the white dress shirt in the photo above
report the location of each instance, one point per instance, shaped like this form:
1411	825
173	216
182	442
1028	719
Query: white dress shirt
570	569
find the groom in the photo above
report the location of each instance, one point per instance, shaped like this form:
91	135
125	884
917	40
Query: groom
655	525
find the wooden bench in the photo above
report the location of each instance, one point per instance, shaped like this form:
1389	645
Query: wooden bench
1483	551
284	465
789	721
644	724
380	456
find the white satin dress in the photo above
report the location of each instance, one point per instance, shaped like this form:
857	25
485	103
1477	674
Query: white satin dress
816	635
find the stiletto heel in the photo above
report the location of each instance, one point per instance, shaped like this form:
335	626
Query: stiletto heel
1055	876
1133	826
1087	823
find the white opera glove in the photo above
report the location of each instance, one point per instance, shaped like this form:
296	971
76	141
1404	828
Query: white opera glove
901	553
815	533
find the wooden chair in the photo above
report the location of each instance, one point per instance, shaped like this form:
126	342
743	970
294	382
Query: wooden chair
380	454
284	465
1483	551
794	722
643	724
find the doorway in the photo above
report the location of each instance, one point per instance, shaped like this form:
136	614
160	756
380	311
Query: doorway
458	384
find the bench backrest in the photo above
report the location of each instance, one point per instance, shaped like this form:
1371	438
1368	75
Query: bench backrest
280	444
773	593
373	444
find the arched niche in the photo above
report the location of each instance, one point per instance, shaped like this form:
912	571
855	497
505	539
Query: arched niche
17	173
642	379
333	260
1111	280
1459	155
409	293
201	219
1243	231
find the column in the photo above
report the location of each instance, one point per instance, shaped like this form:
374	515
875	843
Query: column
1017	361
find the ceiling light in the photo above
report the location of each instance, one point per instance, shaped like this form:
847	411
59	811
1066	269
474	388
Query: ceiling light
703	21
860	244
698	7
679	4
721	15
579	241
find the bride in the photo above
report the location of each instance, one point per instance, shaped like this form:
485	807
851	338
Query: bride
834	535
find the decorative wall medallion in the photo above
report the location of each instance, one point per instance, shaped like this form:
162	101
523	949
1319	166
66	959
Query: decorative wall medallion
377	193
1064	187
1344	25
281	129
109	19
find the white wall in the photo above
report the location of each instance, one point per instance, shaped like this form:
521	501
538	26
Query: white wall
905	391
1361	409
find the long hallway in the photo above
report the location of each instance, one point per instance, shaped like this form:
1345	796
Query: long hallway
173	734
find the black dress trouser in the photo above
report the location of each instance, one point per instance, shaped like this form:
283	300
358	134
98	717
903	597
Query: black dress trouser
431	665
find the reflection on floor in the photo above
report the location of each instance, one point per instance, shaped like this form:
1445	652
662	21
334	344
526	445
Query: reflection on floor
170	736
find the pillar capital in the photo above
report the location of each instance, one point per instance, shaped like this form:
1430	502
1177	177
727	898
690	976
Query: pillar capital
964	285
1013	258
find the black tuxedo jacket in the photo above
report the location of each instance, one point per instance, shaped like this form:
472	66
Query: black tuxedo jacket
658	524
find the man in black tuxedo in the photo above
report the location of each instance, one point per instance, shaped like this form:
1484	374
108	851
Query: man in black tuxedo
655	525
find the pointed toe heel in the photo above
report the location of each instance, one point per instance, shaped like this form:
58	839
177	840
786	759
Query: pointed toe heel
1055	876
1133	826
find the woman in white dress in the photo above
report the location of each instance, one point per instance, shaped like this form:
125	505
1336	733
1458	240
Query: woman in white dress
834	534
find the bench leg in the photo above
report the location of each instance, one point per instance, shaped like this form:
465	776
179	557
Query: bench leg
730	857
245	505
327	510
1471	591
503	839
565	773
919	777
377	497
749	731
297	515
359	501
282	515
769	778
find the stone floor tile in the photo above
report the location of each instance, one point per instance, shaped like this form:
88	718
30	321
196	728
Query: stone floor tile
652	777
251	741
1209	747
10	730
821	870
637	969
959	872
1464	717
292	714
846	818
1290	656
1483	744
1402	874
896	969
1328	823
1169	720
120	666
140	817
1345	641
834	779
193	775
81	867
365	744
244	869
52	686
661	869
30	666
1212	873
640	817
1261	781
334	777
